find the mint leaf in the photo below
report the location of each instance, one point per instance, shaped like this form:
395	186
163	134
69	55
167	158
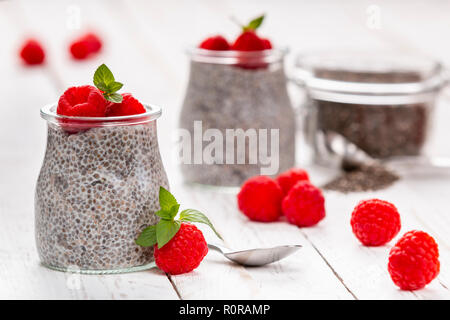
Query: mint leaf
254	24
166	199
147	238
173	211
113	97
102	86
114	86
103	74
165	231
164	214
196	216
168	214
104	81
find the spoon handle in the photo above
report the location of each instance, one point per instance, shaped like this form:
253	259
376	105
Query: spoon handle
218	248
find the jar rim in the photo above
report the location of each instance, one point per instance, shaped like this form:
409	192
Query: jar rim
153	112
426	74
228	57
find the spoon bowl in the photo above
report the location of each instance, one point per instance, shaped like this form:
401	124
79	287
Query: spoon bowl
256	257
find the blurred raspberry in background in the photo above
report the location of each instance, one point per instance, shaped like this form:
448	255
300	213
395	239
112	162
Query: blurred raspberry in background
85	46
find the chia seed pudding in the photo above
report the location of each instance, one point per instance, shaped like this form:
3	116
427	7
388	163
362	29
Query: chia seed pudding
381	104
97	189
236	95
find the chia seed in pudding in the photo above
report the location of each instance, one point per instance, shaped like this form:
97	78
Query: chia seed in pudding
231	97
96	191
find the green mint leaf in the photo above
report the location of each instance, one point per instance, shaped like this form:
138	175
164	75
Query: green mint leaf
103	74
192	215
164	214
166	199
114	86
254	24
147	238
168	214
113	97
174	210
102	86
165	231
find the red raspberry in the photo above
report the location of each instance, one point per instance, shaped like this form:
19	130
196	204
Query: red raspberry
289	178
218	43
184	252
375	222
267	44
127	107
32	52
304	205
248	41
260	199
83	101
85	46
414	260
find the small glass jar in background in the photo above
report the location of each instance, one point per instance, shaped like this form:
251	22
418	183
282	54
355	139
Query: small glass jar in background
237	90
380	103
97	190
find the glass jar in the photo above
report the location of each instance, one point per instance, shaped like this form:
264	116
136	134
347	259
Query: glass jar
242	94
97	189
380	103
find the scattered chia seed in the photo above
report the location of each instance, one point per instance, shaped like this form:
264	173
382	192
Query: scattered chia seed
364	177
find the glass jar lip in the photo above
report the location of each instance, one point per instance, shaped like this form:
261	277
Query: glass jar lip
229	57
311	71
153	112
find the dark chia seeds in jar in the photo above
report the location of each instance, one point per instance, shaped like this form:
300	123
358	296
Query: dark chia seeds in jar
237	90
380	103
97	189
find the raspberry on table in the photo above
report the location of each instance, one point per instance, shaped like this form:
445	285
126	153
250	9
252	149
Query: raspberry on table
414	260
32	52
304	205
184	252
85	46
375	222
127	107
289	178
218	43
260	199
82	101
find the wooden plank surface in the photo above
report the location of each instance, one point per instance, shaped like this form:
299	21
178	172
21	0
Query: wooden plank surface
145	44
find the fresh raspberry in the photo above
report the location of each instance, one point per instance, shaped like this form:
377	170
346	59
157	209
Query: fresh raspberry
414	260
85	46
304	205
218	43
267	44
32	52
184	252
248	41
289	178
127	107
375	222
260	199
83	101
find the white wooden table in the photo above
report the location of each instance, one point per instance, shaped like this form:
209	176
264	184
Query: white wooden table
144	44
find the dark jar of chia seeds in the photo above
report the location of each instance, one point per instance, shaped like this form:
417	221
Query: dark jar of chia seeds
97	189
380	103
237	120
